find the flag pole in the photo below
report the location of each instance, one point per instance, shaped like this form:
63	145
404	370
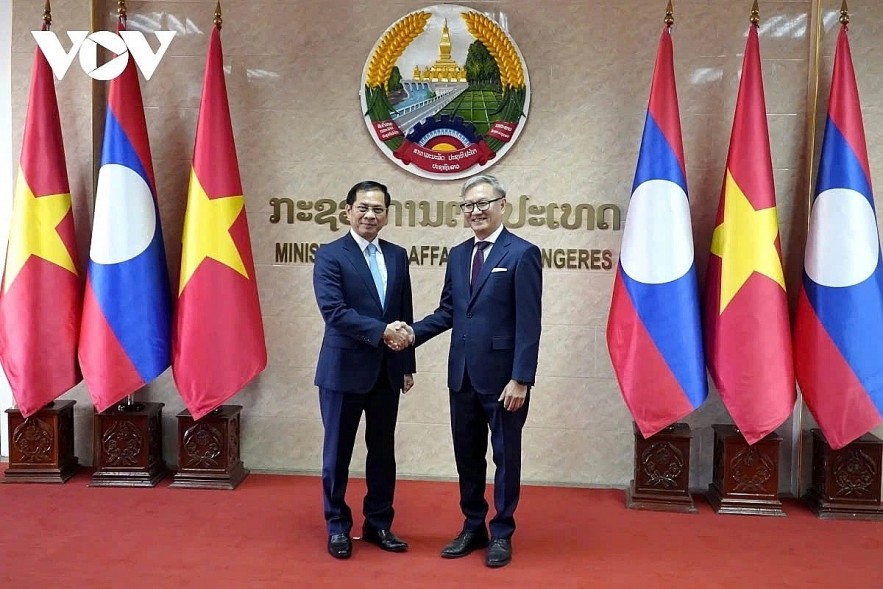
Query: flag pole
47	16
129	405
47	22
218	21
814	76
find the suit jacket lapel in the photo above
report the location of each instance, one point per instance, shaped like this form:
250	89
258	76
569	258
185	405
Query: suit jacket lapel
460	269
357	259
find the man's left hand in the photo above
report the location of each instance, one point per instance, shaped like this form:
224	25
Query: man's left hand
513	396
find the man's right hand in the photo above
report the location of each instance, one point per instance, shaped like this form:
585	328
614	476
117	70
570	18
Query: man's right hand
396	336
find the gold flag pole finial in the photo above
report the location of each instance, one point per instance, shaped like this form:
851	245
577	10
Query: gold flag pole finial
47	16
669	15
218	20
755	14
844	14
121	10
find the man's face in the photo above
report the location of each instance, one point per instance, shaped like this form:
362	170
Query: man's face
484	223
368	214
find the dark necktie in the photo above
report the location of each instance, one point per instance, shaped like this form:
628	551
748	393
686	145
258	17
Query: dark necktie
477	262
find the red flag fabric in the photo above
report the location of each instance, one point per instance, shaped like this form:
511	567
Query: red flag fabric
218	335
40	297
747	329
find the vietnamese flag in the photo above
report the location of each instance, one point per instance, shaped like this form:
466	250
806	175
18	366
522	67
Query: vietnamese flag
747	333
218	335
40	297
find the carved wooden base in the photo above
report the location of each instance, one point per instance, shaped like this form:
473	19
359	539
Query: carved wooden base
746	478
41	447
846	482
128	447
662	471
208	450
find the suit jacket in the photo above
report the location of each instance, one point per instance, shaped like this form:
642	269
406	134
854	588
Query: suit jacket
496	328
353	350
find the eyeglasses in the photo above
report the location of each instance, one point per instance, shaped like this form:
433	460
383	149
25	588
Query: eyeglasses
481	205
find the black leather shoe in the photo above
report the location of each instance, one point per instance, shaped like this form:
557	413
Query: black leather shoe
385	539
340	546
499	553
464	543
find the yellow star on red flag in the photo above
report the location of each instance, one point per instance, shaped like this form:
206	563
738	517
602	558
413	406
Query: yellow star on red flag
745	242
33	230
207	231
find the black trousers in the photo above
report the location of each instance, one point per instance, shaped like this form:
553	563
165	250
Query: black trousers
341	413
472	415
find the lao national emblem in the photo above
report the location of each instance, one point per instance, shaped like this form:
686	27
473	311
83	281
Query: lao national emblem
445	92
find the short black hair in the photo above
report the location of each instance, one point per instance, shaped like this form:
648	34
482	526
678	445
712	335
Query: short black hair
366	185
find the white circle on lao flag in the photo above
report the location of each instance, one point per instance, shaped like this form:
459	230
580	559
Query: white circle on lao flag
125	218
657	243
843	246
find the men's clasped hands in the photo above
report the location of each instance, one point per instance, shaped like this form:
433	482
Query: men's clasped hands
398	335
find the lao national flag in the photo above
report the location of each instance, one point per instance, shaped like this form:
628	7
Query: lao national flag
653	332
125	335
838	332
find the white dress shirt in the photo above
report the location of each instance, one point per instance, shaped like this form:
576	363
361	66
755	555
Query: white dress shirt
381	263
487	250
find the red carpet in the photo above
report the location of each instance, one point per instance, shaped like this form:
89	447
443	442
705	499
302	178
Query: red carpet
269	533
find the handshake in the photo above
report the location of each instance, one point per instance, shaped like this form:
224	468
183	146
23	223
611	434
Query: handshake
398	335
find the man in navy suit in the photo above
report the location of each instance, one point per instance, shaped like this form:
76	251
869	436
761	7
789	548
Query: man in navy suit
363	289
491	299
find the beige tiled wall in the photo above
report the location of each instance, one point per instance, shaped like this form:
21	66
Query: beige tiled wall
293	80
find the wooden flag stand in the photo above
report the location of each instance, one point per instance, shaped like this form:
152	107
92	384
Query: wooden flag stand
127	447
41	447
662	471
208	450
846	482
745	478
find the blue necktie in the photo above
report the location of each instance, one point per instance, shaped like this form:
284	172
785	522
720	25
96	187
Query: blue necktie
375	271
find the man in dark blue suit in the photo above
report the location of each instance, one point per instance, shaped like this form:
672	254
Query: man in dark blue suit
363	289
491	299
